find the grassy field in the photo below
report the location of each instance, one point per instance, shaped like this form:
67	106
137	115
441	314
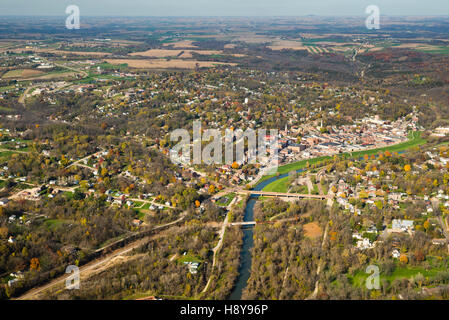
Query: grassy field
226	200
280	185
54	223
406	272
22	73
436	50
6	154
189	258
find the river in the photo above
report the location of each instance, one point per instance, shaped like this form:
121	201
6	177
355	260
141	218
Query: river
248	240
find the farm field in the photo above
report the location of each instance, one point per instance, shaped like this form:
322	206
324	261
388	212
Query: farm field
180	44
166	64
22	73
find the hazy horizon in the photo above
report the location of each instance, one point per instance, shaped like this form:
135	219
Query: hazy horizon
230	8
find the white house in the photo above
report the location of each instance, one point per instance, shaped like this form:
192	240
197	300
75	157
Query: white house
396	254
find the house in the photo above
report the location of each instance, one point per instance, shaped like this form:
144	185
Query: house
399	225
12	281
365	243
395	196
396	254
193	267
117	201
296	147
439	241
137	222
357	236
15	277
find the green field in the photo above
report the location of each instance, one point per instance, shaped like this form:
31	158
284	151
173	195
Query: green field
360	277
189	258
280	185
437	50
54	223
226	200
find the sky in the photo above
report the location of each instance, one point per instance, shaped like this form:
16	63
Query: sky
222	7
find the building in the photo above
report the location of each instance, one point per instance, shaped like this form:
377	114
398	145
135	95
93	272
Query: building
399	225
396	254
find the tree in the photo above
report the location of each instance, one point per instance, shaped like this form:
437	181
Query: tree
403	258
3	233
363	194
419	255
78	195
34	264
426	224
235	165
104	172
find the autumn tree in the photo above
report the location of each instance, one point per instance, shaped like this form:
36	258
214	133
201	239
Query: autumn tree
34	264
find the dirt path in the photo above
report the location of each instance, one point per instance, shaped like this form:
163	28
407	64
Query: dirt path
85	270
216	249
309	184
95	264
320	266
25	93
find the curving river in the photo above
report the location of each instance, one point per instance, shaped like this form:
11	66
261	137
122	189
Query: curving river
248	240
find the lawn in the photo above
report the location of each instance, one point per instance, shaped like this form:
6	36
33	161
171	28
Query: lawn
140	214
68	194
399	273
280	185
138	204
226	200
189	258
6	154
146	206
54	223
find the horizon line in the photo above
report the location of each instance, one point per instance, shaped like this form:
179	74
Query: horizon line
226	16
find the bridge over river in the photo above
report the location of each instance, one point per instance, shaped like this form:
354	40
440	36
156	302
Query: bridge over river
282	195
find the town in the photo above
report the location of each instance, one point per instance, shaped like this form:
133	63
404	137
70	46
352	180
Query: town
91	179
